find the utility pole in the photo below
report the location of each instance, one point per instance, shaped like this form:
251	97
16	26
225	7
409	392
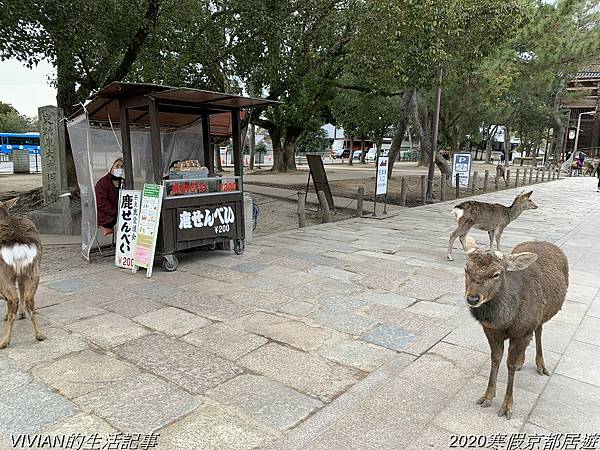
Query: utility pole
434	138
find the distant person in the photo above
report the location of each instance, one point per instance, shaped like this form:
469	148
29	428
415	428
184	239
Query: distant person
107	197
598	174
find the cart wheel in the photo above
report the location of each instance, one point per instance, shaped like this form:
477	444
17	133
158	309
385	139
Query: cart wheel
170	263
212	246
238	246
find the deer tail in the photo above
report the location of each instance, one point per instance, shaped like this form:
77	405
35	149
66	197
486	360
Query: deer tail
19	256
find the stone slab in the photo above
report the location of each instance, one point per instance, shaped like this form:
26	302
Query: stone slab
30	408
71	311
132	306
332	272
301	371
215	427
393	337
12	378
343	321
210	306
571	312
137	404
297	308
172	321
74	284
265	400
580	362
358	354
109	330
179	362
222	340
85	424
589	331
567	406
432	309
415	323
79	373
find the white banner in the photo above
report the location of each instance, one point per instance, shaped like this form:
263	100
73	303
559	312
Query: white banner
129	209
461	166
382	174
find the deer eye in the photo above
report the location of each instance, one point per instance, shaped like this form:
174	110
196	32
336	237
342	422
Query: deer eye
496	276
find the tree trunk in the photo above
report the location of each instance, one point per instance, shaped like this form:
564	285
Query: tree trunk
67	100
289	147
489	144
278	161
440	162
363	153
252	146
351	151
401	126
217	156
559	129
506	145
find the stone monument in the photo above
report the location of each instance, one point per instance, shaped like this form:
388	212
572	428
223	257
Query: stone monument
58	216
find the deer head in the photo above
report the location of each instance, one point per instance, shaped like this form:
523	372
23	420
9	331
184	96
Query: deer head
485	272
523	201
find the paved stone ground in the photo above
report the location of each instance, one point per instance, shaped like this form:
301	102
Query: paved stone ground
338	336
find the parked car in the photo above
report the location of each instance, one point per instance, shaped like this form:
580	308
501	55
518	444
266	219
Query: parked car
372	154
356	155
340	153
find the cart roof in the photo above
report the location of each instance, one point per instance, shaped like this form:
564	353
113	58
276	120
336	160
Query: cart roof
178	107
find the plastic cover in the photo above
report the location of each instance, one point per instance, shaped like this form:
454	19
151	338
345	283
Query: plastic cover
96	148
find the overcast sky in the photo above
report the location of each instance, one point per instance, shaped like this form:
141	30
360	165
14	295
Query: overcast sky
26	89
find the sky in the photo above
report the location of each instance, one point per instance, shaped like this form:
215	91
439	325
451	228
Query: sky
26	89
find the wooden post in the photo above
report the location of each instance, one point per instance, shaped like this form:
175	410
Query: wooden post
301	209
553	175
530	175
486	180
324	207
549	173
475	182
126	140
403	191
457	186
524	176
517	178
537	174
423	188
209	157
237	144
443	187
359	201
507	178
543	175
155	142
496	181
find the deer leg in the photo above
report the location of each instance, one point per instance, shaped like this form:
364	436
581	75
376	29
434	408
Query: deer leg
497	349
21	310
12	303
460	232
491	235
515	350
30	285
539	358
498	234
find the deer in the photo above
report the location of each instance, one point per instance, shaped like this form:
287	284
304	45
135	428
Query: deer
501	172
490	217
512	297
20	258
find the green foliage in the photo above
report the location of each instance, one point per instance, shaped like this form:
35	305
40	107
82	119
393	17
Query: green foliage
313	142
13	122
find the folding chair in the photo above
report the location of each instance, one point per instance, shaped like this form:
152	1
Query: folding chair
105	232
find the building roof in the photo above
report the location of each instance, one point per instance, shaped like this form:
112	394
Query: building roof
589	72
178	107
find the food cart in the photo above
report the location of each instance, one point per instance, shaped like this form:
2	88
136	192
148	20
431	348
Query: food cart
164	136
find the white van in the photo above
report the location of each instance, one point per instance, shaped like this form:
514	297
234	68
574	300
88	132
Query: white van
372	153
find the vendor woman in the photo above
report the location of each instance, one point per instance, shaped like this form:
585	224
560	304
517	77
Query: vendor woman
107	197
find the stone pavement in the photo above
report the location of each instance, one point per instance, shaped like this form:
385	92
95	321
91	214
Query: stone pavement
348	335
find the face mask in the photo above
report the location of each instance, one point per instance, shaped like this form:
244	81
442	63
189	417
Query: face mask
118	173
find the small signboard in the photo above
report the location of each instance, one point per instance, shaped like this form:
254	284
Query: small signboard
149	219
317	171
461	166
382	175
127	224
204	222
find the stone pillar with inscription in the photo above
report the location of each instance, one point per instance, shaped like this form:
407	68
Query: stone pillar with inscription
58	215
53	149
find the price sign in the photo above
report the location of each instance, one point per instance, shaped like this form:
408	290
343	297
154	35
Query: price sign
127	224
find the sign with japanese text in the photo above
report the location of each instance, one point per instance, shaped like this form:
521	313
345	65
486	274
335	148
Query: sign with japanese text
187	188
206	221
147	235
461	166
382	174
127	224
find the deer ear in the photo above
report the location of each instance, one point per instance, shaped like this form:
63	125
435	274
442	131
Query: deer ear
520	261
10	203
528	194
470	245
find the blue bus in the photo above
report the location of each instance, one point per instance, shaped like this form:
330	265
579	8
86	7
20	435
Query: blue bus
11	141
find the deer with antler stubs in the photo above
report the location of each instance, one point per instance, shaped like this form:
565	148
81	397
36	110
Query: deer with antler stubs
490	217
20	256
513	296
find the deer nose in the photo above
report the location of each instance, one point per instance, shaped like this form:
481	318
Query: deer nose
473	299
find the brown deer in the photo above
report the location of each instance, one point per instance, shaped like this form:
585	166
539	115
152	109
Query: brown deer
501	172
20	256
512	297
490	217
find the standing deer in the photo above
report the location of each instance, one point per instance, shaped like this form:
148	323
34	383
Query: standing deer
20	255
512	297
501	172
490	217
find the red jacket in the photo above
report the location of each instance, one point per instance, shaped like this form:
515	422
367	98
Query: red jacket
107	200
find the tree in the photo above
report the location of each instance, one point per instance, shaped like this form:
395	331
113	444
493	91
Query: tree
313	142
13	122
